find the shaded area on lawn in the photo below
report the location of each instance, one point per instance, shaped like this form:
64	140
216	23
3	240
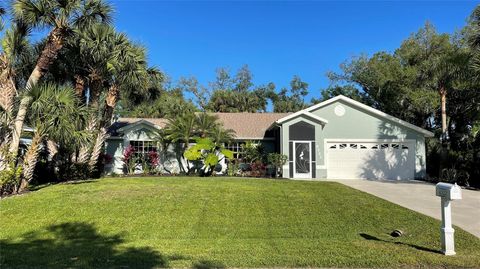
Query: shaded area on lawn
374	238
80	245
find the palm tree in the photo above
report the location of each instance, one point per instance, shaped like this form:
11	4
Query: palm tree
474	38
14	49
123	67
447	69
223	136
116	67
62	17
14	46
2	13
57	115
180	130
206	124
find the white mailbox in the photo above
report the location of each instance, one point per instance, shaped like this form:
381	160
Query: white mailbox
447	192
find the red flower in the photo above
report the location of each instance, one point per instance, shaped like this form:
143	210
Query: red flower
153	158
128	153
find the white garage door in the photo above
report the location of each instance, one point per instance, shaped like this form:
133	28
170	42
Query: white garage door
370	160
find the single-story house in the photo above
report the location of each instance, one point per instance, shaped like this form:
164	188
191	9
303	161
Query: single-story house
339	138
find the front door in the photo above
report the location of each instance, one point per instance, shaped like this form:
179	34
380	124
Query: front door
303	161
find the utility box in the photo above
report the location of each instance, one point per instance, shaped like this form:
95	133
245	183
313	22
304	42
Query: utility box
449	191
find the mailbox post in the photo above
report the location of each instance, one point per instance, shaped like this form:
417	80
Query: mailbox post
447	192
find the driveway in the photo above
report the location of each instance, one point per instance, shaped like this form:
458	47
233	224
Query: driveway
420	196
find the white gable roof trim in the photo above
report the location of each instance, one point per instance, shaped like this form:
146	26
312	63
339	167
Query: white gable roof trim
361	106
132	125
304	113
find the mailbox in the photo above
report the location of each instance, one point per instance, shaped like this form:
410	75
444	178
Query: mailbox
449	191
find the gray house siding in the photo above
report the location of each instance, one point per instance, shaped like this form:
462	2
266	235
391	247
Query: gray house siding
354	124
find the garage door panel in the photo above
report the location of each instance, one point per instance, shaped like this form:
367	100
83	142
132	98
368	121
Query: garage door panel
370	160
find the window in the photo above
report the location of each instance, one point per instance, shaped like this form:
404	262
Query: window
384	146
142	148
237	148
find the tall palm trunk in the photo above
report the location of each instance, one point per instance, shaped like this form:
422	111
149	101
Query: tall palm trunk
443	99
80	87
7	95
84	152
30	161
8	90
95	87
49	53
110	103
443	140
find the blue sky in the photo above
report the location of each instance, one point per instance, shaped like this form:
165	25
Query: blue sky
276	39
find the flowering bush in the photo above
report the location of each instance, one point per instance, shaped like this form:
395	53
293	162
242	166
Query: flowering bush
150	162
129	159
153	158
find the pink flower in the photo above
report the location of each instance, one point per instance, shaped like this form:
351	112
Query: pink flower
153	158
128	153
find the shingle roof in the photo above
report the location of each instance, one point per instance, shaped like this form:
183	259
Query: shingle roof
249	125
245	125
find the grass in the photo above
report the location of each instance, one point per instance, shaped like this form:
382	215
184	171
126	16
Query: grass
220	222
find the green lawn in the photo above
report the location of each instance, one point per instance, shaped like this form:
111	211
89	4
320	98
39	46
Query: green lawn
217	222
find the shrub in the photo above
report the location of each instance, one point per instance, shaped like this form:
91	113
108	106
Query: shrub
277	160
206	153
129	159
10	179
73	171
453	175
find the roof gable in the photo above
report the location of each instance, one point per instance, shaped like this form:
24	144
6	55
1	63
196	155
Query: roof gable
364	107
303	113
137	124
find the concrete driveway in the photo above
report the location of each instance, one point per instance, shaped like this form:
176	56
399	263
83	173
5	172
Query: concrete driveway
420	196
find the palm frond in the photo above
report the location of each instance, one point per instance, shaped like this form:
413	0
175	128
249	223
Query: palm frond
92	12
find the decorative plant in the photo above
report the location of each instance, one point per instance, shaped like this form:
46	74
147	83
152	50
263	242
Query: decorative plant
253	152
150	162
10	176
129	159
206	152
258	169
277	160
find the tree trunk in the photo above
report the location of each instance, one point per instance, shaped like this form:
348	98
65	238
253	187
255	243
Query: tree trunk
95	87
84	153
110	103
443	98
97	149
47	57
52	148
80	87
18	125
443	139
30	161
8	90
